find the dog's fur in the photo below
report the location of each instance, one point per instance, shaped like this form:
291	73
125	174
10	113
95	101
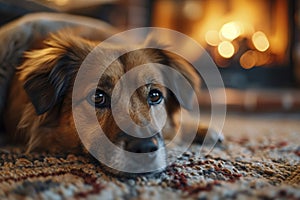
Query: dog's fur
38	111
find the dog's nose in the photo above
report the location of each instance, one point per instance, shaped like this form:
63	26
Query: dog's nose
142	145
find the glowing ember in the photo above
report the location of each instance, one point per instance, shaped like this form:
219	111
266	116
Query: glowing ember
230	31
226	49
260	41
248	59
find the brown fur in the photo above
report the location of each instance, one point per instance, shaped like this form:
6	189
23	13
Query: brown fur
54	129
38	112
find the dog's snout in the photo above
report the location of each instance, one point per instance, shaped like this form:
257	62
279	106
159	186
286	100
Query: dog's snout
142	145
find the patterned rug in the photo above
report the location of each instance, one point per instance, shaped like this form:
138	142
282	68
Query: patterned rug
258	160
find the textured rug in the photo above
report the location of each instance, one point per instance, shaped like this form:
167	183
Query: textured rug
258	160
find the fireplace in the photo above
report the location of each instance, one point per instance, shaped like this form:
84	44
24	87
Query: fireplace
255	43
250	41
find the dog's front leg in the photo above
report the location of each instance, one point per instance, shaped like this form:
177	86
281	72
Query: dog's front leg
189	127
207	135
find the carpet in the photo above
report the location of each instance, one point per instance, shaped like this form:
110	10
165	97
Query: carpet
259	159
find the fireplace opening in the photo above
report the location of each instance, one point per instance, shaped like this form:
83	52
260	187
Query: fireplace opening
250	41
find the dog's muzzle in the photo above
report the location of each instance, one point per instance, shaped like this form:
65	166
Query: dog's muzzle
150	156
142	145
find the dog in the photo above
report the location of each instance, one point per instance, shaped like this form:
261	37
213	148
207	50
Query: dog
37	111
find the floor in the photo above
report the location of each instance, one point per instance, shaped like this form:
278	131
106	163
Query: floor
259	159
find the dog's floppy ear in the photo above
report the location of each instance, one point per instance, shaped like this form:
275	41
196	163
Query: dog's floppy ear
184	85
47	73
45	88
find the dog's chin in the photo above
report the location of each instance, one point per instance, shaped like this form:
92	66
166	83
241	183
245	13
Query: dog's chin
130	175
150	165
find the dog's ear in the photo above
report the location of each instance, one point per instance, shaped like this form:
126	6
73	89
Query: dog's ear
48	72
184	81
45	88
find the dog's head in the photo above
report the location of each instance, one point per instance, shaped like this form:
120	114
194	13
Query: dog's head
48	77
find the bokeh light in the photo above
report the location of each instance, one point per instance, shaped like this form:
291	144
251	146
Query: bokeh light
212	38
260	41
248	59
230	31
226	49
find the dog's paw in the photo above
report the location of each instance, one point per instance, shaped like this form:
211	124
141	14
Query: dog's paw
207	135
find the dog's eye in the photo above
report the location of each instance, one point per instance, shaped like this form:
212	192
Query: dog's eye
155	97
99	99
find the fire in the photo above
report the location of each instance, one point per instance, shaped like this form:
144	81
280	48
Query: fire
232	37
234	32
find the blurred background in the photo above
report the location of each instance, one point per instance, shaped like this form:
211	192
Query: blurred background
254	43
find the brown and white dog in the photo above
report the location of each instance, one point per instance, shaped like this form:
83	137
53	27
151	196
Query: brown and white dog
47	51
